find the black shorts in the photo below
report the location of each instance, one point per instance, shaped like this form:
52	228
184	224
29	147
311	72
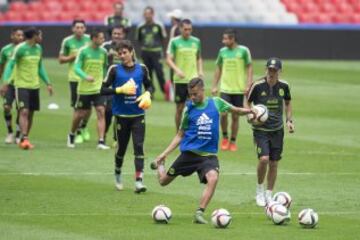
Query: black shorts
269	143
9	96
73	93
235	99
181	92
188	163
28	98
86	101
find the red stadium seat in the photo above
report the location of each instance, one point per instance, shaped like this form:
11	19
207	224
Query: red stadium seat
294	7
327	7
70	6
35	6
341	18
49	16
17	6
53	6
306	17
310	7
323	18
66	16
30	16
13	16
344	7
355	18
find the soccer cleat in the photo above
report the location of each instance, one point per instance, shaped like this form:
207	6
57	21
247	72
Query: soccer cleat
260	197
9	138
70	142
118	183
225	144
268	197
199	217
85	134
102	146
79	139
25	144
233	147
140	187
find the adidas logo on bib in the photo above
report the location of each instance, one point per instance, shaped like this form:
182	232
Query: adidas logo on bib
204	120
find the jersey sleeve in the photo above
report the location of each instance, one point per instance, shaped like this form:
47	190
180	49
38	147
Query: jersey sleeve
287	94
2	57
171	48
162	31
146	79
252	93
219	60
79	62
64	50
185	119
199	49
247	57
222	105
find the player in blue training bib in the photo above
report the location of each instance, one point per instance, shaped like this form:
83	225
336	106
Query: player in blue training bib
198	138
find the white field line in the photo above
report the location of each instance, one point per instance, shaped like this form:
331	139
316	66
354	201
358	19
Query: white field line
260	212
153	173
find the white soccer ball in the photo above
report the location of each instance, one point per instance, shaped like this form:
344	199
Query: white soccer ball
280	214
284	198
161	214
269	208
221	218
308	218
262	114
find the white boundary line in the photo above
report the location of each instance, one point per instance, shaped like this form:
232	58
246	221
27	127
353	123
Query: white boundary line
153	173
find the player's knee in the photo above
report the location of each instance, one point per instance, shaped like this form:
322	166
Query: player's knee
273	164
264	160
212	177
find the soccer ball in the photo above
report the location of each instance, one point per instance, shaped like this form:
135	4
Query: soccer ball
283	198
161	214
308	218
221	218
262	115
269	208
280	214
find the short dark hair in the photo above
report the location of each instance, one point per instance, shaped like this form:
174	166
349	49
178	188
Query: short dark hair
75	21
30	32
125	44
231	33
95	33
185	21
119	27
151	9
196	82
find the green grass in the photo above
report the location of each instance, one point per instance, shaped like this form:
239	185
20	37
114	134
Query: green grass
53	192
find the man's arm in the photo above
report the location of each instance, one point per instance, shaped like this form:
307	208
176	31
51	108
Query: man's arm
172	146
108	81
172	65
217	76
8	71
146	79
78	68
249	74
288	112
65	59
199	65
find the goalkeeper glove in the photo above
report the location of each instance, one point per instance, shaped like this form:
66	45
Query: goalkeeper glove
144	100
128	88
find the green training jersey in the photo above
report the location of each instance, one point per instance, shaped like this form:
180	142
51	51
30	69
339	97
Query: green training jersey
70	46
185	52
27	60
233	64
90	62
5	55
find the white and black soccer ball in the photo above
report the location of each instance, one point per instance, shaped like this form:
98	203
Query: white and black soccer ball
221	218
161	214
269	208
262	114
308	218
280	214
284	198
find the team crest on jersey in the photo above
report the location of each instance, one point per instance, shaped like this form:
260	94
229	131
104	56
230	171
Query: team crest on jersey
263	94
155	29
281	92
204	120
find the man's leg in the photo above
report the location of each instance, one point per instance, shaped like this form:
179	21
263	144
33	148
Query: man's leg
261	173
178	114
147	61
123	136
234	131
8	120
77	116
212	179
224	126
100	112
271	179
30	121
159	70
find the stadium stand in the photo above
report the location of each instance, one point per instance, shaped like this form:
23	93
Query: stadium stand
200	11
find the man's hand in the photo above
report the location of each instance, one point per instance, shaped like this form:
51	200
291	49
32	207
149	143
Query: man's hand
90	78
214	91
144	100
129	88
180	73
290	125
50	89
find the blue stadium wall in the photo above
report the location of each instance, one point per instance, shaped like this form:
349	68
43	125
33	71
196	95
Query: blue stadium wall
300	42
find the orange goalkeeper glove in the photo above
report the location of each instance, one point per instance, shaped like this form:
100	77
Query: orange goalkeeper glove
144	100
129	88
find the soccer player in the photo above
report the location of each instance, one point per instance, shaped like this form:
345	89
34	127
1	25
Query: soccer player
175	17
68	52
151	36
117	35
184	57
126	80
198	138
117	19
273	93
90	65
234	71
17	36
29	69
